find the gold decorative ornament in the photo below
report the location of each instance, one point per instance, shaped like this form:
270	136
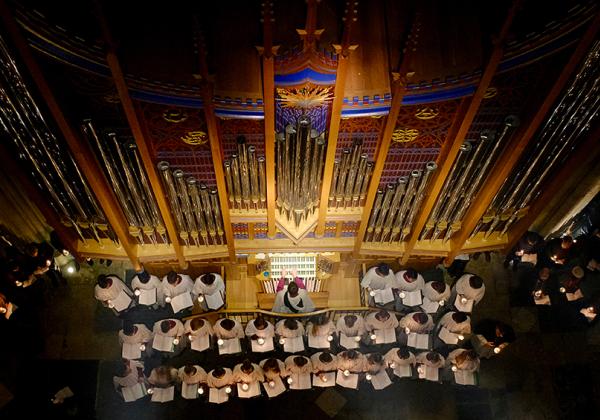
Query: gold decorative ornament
426	113
195	138
490	92
405	135
306	97
174	116
112	98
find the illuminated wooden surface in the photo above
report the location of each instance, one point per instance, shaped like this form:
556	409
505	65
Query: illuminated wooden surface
266	300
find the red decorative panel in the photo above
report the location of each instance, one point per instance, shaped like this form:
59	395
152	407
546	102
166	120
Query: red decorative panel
349	229
252	130
365	128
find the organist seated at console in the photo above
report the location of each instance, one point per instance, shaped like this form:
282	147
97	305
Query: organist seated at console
293	300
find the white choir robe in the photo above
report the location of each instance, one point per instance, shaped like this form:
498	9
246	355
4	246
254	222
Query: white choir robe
409	322
111	292
319	366
357	329
131	378
206	329
256	375
293	370
401	284
236	332
356	365
225	380
185	286
374	281
322	331
468	365
201	288
196	378
163	381
463	288
307	303
267	333
421	359
141	336
271	375
282	331
435	296
178	331
373	324
463	328
153	283
392	358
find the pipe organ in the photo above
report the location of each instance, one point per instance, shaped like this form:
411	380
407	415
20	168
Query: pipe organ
300	152
395	208
462	184
572	117
50	162
245	177
128	179
351	176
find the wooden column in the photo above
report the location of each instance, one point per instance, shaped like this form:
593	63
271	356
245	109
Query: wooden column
585	154
444	169
82	154
140	140
268	64
513	151
251	232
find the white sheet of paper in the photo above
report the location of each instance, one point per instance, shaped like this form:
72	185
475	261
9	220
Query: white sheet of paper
403	371
412	298
131	351
218	395
293	345
181	302
529	258
381	380
253	390
418	341
214	301
318	382
463	307
574	296
276	390
348	342
189	391
163	343
262	348
430	306
543	300
385	336
163	395
350	381
300	381
447	336
318	341
133	393
200	343
430	373
121	302
230	346
464	377
147	297
384	296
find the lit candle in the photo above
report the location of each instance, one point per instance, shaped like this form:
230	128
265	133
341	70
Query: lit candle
441	302
538	293
454	368
201	298
200	390
368	377
190	337
176	341
464	300
282	341
373	336
18	283
137	292
329	338
245	387
420	369
393	365
407	330
168	299
48	262
323	378
261	341
346	372
402	295
496	350
272	384
220	342
372	293
357	338
290	380
2	310
110	304
143	347
461	337
228	390
150	390
562	290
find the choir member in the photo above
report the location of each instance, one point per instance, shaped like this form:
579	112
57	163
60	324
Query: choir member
146	281
323	361
220	378
172	328
463	359
542	290
414	323
351	361
177	284
351	327
491	337
209	285
130	373
378	277
225	330
397	357
261	332
164	376
248	375
192	374
290	329
468	291
273	370
409	285
570	286
529	244
298	369
109	288
199	331
558	250
137	334
382	323
293	300
428	365
435	295
320	332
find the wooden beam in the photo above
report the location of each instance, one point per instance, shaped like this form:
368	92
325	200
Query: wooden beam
339	229
513	151
217	156
268	63
444	169
251	231
585	154
66	235
140	140
334	128
82	154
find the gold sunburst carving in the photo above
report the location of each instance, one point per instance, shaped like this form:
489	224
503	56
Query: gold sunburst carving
306	97
490	92
195	138
174	116
426	113
405	135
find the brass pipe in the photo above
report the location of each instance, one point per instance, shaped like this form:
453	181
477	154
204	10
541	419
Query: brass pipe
406	200
208	213
235	173
430	167
216	209
253	173
385	206
186	205
374	214
229	183
196	203
167	178
262	179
